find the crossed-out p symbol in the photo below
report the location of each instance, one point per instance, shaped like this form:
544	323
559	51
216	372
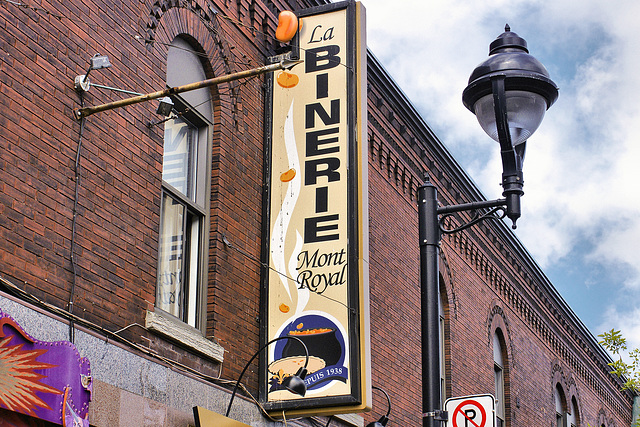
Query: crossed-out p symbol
469	413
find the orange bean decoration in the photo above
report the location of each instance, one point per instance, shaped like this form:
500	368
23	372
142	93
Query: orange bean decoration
288	175
287	80
287	26
284	308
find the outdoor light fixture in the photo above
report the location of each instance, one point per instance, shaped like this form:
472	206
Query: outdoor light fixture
293	383
165	106
382	422
97	62
509	94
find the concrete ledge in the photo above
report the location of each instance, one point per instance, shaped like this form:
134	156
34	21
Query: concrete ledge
170	327
351	419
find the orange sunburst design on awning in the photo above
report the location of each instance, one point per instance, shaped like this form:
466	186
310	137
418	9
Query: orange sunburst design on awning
19	380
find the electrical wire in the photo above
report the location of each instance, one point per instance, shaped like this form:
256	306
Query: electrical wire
265	265
32	299
74	264
73	319
35	9
69	315
21	294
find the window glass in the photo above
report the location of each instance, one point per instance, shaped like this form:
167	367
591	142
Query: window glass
171	255
497	350
180	154
573	416
498	368
181	250
560	413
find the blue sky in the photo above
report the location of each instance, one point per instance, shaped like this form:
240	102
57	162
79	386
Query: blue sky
581	208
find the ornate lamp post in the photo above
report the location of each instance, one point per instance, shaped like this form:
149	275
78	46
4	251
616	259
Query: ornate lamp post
509	94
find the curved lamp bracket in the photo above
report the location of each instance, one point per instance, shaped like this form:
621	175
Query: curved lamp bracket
382	422
496	213
294	383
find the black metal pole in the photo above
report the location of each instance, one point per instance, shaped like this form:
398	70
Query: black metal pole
429	232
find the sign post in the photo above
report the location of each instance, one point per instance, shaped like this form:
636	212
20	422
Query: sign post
471	411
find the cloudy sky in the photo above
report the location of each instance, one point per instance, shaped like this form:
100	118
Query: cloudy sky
581	208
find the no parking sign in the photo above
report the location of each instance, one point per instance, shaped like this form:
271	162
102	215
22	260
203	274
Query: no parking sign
471	411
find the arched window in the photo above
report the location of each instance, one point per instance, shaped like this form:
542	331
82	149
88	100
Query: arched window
561	413
573	417
184	211
499	374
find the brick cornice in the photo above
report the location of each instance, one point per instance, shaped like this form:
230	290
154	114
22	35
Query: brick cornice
546	328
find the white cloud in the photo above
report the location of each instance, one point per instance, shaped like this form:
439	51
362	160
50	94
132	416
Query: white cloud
582	166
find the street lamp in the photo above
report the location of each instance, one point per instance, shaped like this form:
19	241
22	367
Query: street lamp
294	383
509	94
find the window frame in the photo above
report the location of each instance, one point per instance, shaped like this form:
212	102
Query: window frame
194	313
442	342
499	357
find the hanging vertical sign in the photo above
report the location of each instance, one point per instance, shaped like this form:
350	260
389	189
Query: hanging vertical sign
316	245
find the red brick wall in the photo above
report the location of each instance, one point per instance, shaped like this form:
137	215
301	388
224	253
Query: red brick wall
395	298
116	231
117	222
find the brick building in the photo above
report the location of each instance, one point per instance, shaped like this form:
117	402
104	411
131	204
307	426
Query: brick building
86	207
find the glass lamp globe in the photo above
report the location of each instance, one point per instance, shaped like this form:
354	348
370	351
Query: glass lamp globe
525	111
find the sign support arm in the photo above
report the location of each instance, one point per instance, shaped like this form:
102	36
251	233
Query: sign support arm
80	113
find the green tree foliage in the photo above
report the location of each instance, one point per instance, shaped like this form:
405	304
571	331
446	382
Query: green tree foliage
629	372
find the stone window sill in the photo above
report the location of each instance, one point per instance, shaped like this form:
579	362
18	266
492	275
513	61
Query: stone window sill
190	337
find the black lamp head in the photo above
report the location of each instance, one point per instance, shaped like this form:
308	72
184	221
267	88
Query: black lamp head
509	56
382	422
295	383
165	106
